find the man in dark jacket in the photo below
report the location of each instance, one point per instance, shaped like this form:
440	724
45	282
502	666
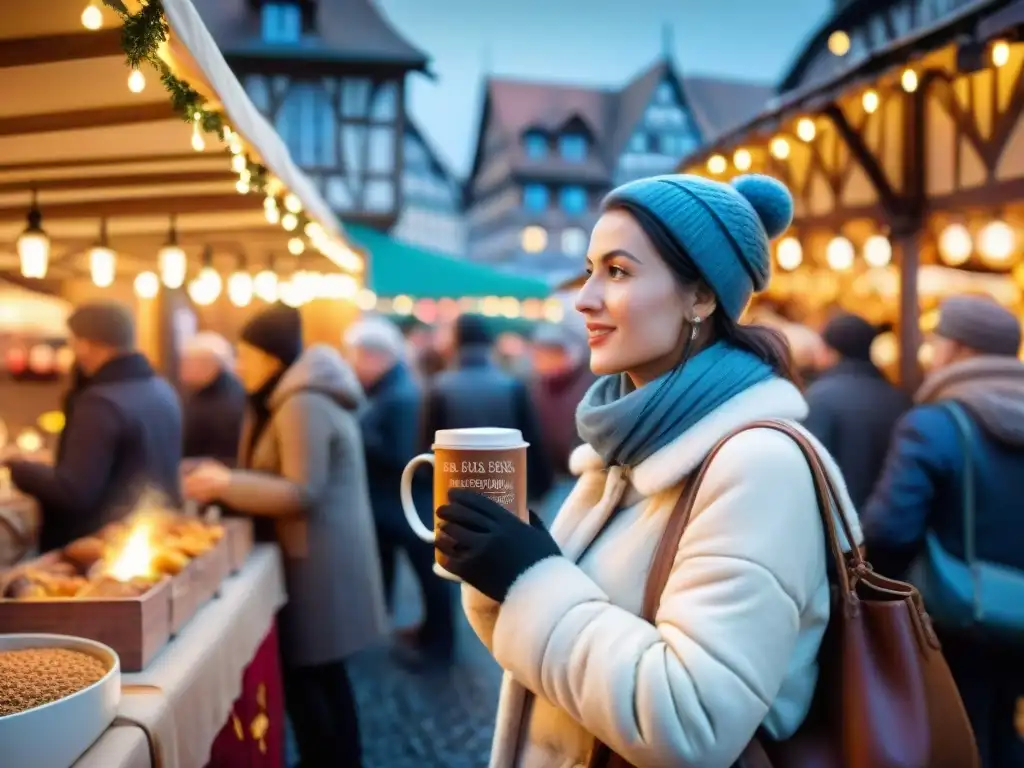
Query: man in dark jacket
853	408
215	404
477	393
391	429
921	490
122	433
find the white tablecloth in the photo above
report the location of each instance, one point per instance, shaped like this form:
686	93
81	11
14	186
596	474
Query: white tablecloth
184	696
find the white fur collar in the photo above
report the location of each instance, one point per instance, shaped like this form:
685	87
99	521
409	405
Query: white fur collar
772	399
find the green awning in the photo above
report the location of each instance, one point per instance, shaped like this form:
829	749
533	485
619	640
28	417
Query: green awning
399	269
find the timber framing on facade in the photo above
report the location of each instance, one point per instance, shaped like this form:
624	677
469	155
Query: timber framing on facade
906	165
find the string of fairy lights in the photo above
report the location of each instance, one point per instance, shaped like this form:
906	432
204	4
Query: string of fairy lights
993	242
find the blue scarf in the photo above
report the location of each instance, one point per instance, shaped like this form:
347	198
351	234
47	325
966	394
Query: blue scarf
626	425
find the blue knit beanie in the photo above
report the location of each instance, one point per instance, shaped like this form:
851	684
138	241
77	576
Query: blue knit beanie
725	229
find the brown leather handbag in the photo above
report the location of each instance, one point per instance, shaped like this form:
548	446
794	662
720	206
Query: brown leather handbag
885	697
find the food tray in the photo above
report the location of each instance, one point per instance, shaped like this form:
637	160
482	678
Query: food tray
210	569
239	533
136	628
58	733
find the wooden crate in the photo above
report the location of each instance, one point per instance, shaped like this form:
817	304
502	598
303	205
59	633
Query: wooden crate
184	589
210	569
239	533
137	627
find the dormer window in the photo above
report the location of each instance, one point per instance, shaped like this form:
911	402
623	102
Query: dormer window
573	147
281	22
665	94
536	145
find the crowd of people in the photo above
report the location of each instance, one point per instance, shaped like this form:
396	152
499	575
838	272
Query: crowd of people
311	442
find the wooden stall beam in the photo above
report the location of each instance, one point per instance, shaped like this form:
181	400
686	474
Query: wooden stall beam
137	206
77	119
134	181
93	162
52	49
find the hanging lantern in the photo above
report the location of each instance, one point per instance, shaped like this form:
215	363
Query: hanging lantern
955	244
172	260
102	260
34	245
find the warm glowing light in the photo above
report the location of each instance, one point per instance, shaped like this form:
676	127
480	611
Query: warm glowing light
29	441
909	80
955	245
839	43
996	243
264	286
206	288
33	248
877	251
173	265
534	239
806	130
135	559
402	305
198	143
779	148
238	163
789	253
289	221
296	246
240	289
147	285
136	81
717	164
742	160
869	101
554	310
102	266
1000	53
839	254
242	187
366	299
885	349
235	144
292	203
270	210
92	16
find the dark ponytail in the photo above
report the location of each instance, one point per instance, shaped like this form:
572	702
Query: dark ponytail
761	341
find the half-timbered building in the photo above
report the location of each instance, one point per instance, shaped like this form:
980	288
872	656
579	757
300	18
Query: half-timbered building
330	75
547	153
899	129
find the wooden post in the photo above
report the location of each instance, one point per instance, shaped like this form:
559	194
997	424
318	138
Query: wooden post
909	246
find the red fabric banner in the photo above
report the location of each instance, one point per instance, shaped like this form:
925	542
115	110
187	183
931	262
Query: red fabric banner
253	736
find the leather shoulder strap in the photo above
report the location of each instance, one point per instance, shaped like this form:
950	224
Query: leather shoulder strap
825	491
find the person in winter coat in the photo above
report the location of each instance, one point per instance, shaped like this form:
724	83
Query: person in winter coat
478	393
921	490
215	403
302	471
673	261
122	433
853	407
391	434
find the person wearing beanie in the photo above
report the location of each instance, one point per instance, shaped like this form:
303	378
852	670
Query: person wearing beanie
852	406
970	404
475	392
121	437
673	262
302	477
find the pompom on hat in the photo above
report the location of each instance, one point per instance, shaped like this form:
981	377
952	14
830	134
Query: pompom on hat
725	229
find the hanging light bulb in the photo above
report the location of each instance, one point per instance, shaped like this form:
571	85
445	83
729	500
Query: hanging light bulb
147	285
270	210
238	163
198	144
877	251
264	285
717	164
240	285
806	130
102	260
235	144
289	221
870	101
292	203
172	260
789	253
136	81
206	287
909	80
779	148
92	16
996	243
242	187
34	245
742	160
955	244
296	246
839	253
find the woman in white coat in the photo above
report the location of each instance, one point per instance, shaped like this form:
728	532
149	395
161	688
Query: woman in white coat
672	263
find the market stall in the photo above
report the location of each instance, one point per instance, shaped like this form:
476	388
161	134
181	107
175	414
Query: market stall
899	130
133	167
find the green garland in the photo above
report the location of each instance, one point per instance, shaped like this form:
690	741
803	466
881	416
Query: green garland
142	34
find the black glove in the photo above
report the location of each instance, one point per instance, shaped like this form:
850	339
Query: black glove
487	546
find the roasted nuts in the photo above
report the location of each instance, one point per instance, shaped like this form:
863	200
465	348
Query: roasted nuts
35	676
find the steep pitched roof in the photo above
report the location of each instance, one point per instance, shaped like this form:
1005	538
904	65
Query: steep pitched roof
611	115
346	31
438	165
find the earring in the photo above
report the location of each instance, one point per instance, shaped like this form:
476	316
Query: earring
694	328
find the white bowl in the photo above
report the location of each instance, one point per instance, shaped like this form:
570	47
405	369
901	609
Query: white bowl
55	735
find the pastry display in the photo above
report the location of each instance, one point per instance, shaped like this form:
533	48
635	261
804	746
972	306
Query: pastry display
123	559
32	677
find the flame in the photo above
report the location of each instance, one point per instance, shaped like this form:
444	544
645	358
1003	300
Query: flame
136	556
